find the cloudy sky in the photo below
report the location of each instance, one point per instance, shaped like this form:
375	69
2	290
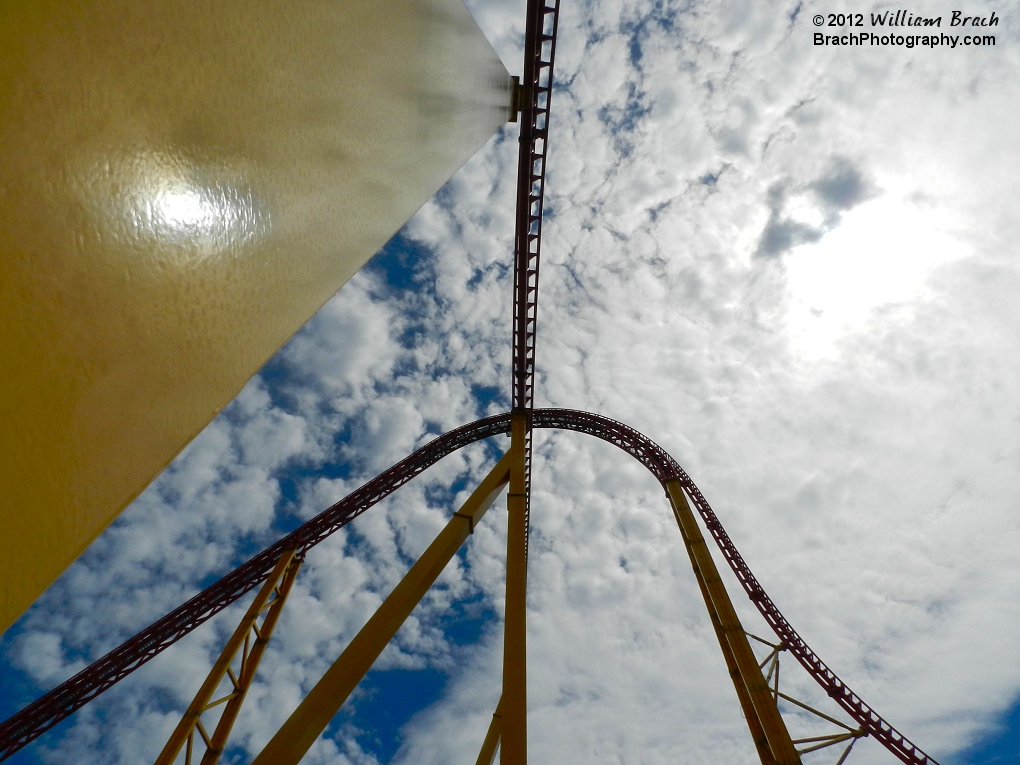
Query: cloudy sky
793	266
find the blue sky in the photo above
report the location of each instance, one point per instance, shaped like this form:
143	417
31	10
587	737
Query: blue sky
760	256
999	748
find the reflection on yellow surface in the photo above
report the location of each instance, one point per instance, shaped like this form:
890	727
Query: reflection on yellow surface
173	210
182	184
170	206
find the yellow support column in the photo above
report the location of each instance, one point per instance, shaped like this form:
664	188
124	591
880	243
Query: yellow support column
514	739
312	716
488	753
757	732
778	737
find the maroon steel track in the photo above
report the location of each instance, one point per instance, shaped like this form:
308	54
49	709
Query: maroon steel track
539	55
664	467
43	714
540	47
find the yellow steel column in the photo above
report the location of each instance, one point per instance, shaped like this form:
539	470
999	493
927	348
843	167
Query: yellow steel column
279	582
757	732
780	743
488	753
312	716
513	748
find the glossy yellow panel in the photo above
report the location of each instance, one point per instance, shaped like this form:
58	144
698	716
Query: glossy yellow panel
182	184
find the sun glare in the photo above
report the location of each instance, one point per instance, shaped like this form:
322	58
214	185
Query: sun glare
173	210
184	209
879	257
200	218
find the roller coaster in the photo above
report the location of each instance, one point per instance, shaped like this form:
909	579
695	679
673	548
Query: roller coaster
273	570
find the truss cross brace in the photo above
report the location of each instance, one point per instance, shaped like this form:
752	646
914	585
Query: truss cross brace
269	601
312	716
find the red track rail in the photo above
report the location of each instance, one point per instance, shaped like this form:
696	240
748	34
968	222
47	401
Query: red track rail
62	701
664	467
536	87
539	56
38	717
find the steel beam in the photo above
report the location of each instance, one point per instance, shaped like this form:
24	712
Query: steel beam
746	707
514	741
268	602
487	755
312	716
779	741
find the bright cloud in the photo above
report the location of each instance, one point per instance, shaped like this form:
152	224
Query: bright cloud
791	266
878	259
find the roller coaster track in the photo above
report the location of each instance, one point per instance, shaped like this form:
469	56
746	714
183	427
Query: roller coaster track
534	95
35	719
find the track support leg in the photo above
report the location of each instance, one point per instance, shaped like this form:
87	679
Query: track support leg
513	747
750	714
312	716
767	716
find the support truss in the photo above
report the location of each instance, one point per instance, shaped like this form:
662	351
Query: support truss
249	640
813	743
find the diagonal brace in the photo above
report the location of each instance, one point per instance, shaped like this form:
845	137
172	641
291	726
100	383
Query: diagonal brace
270	600
312	716
492	736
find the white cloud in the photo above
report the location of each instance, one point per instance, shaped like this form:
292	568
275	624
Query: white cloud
714	177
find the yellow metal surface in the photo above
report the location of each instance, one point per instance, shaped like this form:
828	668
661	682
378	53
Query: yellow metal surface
182	184
313	714
761	743
270	602
780	744
513	747
487	754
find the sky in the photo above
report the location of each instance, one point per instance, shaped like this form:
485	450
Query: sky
791	265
